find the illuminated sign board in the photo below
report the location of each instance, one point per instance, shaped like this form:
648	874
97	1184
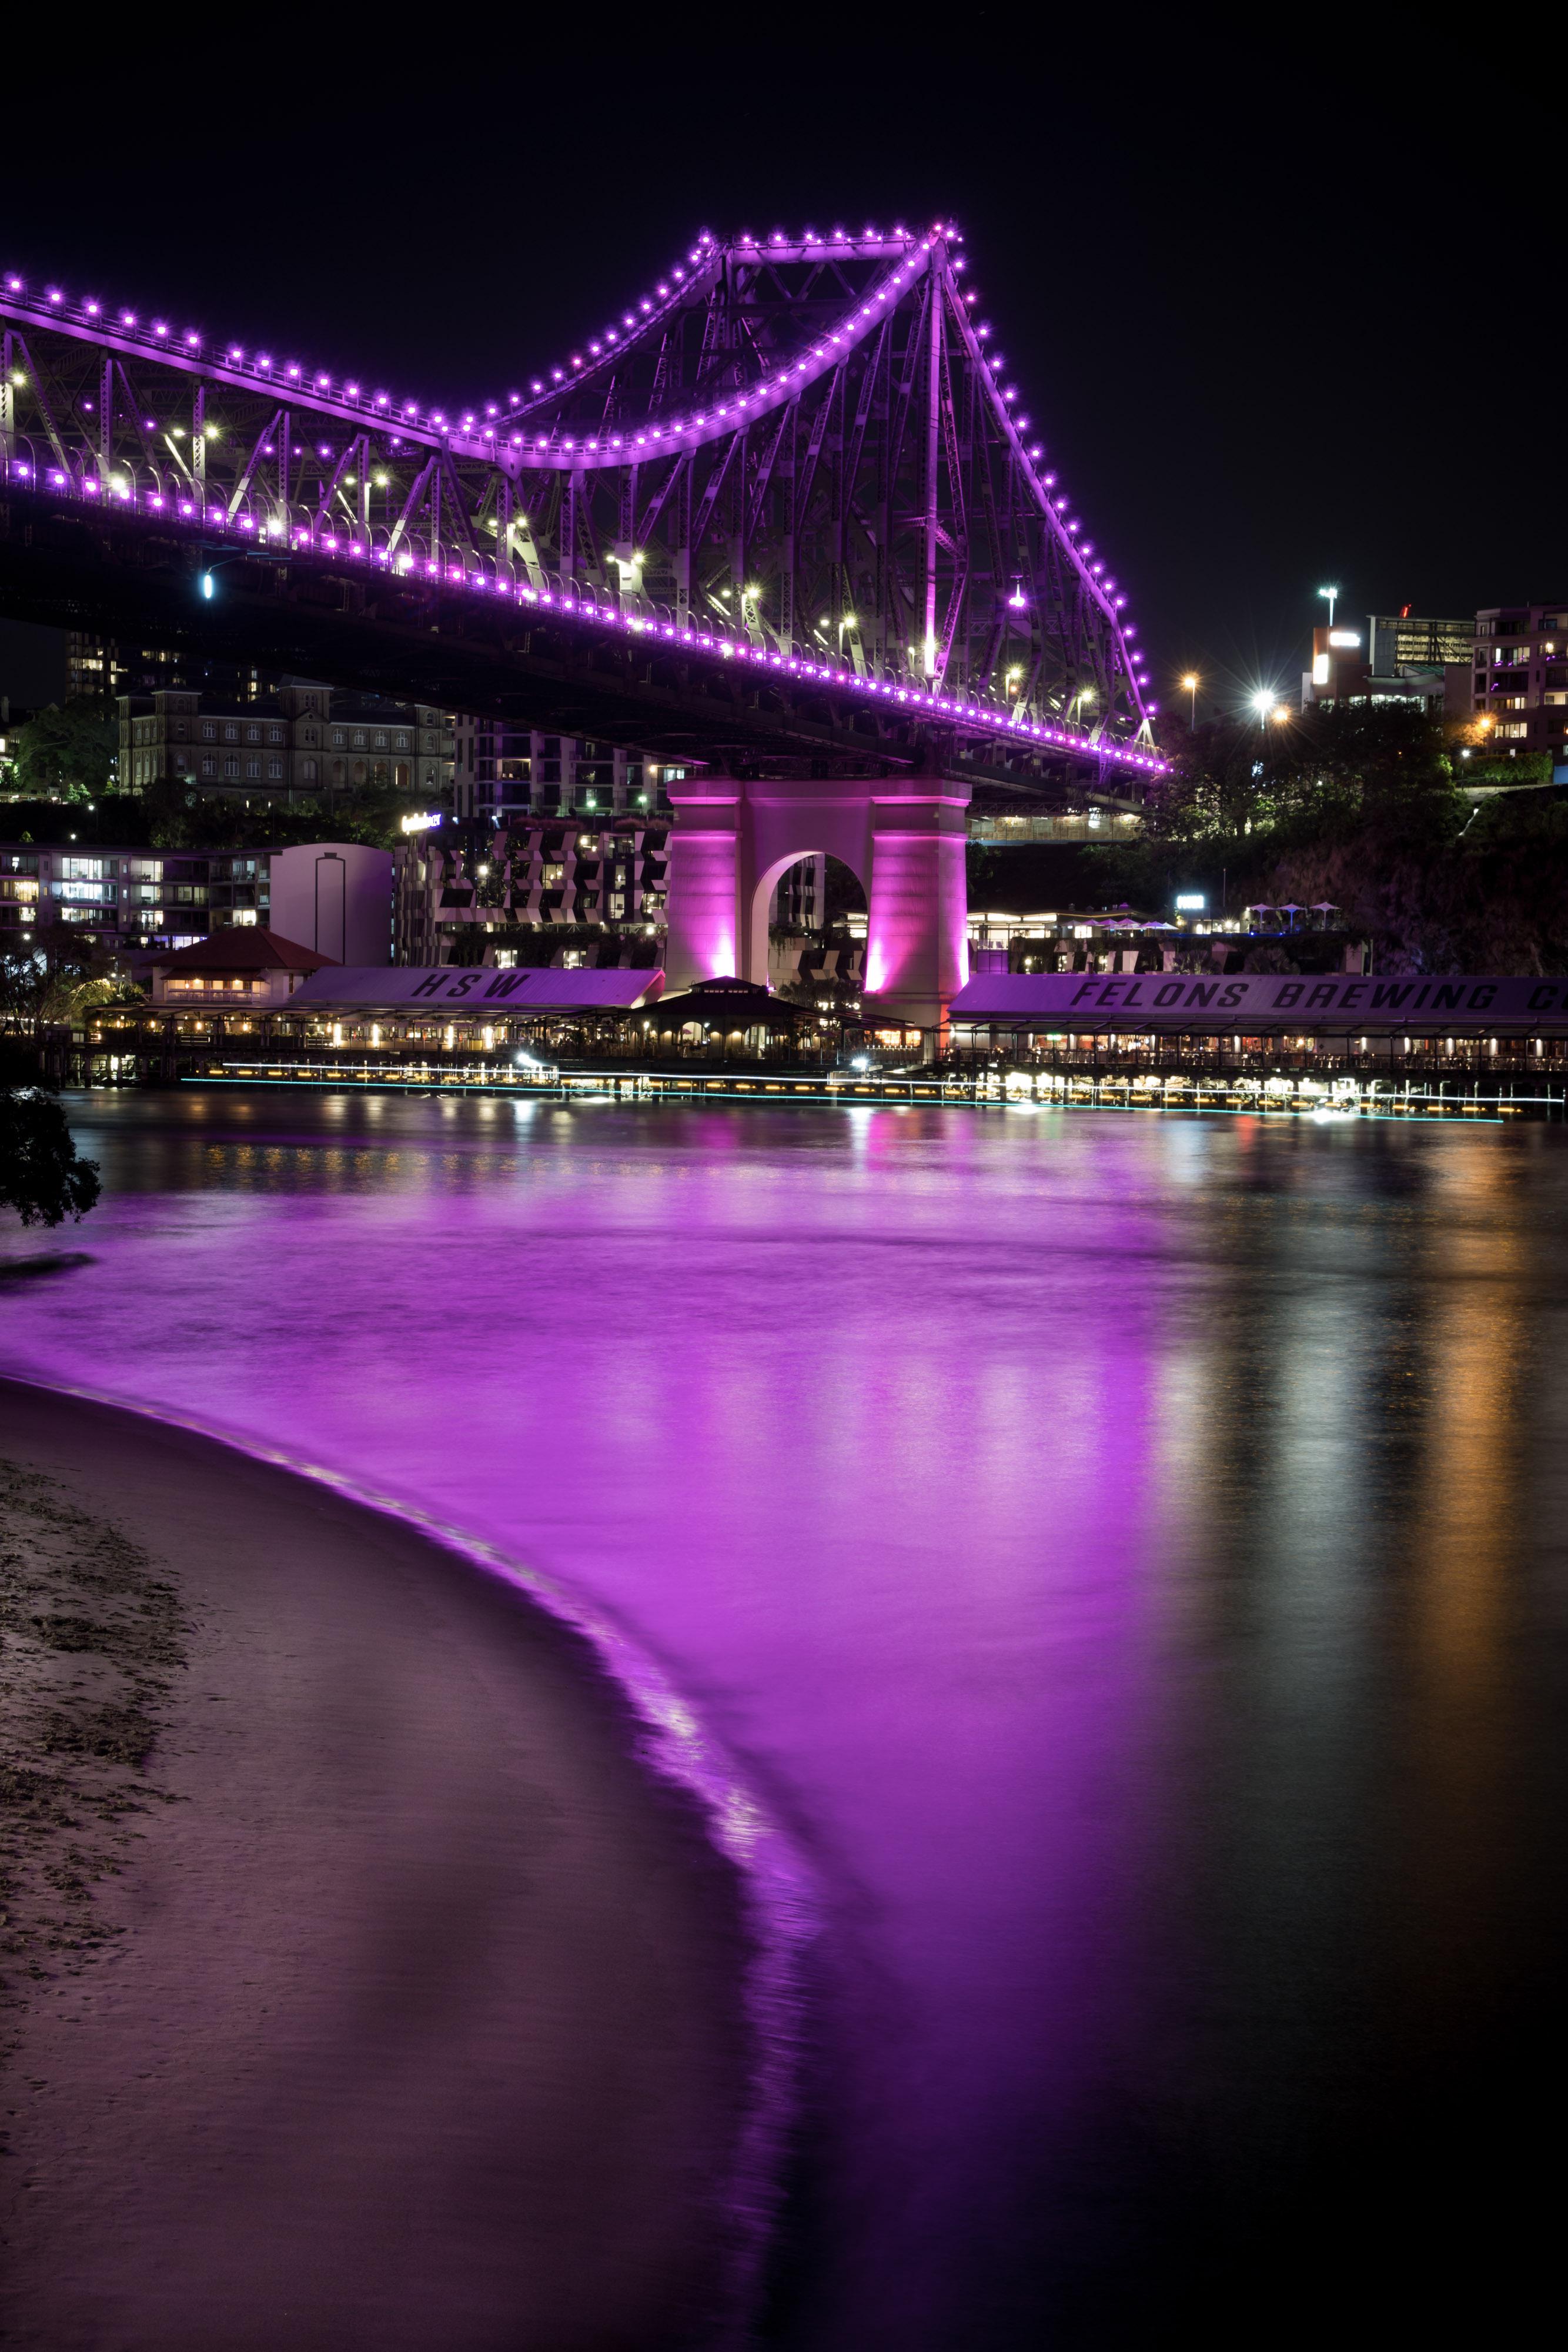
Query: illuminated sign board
1191	902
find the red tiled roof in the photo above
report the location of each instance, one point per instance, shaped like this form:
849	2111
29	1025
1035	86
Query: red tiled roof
245	947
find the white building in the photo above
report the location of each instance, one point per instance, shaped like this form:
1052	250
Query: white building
334	897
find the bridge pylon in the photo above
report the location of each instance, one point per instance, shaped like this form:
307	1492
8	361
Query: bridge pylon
904	840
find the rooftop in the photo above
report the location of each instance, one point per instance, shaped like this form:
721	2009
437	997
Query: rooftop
245	947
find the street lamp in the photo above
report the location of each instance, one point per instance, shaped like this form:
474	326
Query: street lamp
1189	687
1263	702
1331	594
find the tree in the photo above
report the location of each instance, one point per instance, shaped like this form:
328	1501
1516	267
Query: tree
175	816
42	1175
69	747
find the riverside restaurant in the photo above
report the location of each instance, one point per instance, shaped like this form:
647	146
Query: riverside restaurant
1485	1037
1130	1039
405	1024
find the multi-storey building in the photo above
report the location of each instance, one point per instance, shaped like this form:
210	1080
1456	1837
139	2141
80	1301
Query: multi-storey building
109	667
369	741
305	740
584	884
1520	679
799	900
1401	660
331	895
1403	645
500	772
110	897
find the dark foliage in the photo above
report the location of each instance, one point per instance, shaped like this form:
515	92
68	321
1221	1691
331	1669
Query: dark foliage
1360	808
66	750
41	1170
42	1175
176	819
112	821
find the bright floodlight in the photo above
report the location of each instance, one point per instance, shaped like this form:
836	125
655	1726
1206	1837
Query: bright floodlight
1189	683
1263	701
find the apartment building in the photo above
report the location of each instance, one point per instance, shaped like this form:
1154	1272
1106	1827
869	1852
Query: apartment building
500	772
1520	679
107	667
332	897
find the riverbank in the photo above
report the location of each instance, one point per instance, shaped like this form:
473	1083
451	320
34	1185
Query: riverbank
362	1985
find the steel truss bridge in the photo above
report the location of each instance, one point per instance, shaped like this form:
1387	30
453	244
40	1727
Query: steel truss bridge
781	515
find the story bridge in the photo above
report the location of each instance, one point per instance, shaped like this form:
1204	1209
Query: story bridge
781	522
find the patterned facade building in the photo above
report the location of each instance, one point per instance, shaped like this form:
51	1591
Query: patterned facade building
576	888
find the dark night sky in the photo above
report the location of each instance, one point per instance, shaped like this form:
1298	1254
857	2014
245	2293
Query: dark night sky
1249	285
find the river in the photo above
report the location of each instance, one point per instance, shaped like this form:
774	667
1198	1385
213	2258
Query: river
1124	1553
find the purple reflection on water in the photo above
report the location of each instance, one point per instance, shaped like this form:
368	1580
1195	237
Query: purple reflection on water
988	1484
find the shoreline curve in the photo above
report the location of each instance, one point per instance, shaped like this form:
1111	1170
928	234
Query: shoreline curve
611	1681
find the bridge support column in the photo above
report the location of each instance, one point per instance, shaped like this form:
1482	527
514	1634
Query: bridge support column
702	896
903	842
917	933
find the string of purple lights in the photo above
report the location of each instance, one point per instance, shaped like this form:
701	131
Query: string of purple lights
575	605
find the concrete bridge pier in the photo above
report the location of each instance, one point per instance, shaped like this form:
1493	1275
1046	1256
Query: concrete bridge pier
904	840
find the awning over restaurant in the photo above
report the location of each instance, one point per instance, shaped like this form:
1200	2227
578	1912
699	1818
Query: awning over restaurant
473	987
1249	1003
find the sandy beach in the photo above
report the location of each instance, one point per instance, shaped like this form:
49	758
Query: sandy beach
362	1988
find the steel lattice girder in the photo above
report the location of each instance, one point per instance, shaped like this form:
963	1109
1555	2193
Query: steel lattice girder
798	447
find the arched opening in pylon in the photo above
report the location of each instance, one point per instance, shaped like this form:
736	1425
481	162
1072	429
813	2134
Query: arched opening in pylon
814	907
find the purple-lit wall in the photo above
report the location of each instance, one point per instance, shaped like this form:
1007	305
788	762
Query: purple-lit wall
732	841
336	897
918	948
704	886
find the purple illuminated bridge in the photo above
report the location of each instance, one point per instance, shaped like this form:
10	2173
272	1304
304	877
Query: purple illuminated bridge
783	521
